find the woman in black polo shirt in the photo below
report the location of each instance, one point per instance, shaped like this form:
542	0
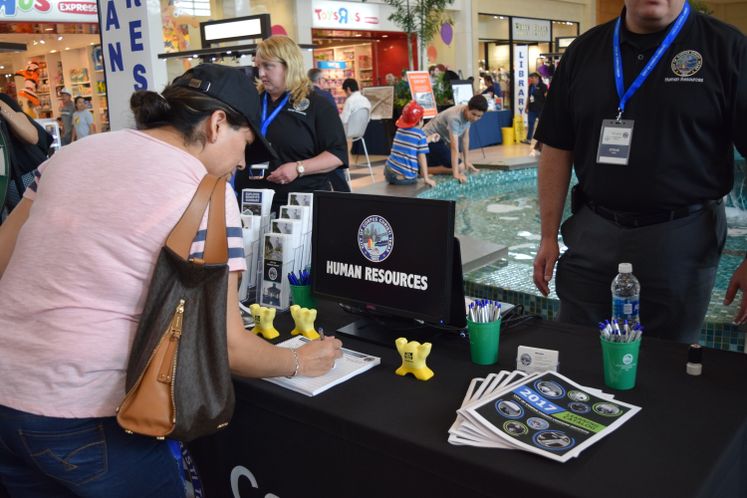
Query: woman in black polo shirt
302	126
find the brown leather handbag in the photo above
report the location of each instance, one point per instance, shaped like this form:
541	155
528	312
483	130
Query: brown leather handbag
178	378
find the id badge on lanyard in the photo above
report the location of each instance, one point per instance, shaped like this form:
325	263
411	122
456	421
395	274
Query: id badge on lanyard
616	135
614	141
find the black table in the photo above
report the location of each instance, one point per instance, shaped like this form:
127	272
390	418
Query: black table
381	435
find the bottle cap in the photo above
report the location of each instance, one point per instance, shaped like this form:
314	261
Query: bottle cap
694	369
695	354
625	268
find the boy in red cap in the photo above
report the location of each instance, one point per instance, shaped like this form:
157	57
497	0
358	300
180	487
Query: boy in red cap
409	149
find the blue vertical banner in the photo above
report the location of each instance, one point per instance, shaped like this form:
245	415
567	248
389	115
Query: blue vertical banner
131	39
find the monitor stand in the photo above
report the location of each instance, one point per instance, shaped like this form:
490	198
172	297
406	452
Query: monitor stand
384	331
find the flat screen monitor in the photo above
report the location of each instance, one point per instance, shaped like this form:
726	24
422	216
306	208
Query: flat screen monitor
462	91
388	255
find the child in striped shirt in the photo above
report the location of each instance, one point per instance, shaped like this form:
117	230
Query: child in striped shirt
409	149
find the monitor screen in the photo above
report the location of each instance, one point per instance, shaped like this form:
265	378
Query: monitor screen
462	91
386	254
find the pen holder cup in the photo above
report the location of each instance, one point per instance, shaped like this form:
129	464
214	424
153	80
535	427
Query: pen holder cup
620	360
483	341
301	295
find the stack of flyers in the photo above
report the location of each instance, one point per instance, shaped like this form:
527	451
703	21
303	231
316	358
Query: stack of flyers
306	200
276	262
543	413
256	201
301	213
250	233
292	228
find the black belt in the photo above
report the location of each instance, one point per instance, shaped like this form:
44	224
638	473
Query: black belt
633	220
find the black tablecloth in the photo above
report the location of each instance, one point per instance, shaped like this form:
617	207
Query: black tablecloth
381	435
379	136
487	131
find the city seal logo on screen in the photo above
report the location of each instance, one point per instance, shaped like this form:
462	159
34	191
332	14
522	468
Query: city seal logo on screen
375	238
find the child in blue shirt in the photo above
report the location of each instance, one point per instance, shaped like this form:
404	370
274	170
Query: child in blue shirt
409	149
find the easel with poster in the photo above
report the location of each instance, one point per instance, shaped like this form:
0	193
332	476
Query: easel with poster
421	91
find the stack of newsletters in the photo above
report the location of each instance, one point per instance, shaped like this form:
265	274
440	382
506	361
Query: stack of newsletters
544	413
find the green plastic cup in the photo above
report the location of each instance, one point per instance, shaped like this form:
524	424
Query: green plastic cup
301	295
620	360
483	341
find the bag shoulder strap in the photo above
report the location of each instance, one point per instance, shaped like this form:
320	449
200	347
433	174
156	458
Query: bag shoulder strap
211	191
216	242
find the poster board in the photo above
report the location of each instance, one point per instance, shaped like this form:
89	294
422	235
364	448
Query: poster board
382	101
422	92
462	90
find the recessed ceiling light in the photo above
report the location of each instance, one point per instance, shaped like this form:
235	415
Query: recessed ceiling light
228	52
53	51
48	29
67	48
42	42
59	38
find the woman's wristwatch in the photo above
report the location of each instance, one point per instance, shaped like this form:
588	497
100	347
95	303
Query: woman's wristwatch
300	169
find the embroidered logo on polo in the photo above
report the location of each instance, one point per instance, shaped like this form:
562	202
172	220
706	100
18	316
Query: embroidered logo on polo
375	238
685	65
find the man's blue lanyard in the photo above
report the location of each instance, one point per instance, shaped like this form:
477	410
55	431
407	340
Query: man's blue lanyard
623	95
265	120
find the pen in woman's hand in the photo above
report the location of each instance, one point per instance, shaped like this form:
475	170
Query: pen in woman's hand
320	331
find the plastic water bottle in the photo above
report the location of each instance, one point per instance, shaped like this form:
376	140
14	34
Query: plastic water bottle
626	293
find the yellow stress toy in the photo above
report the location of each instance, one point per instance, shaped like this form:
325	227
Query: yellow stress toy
413	358
304	319
263	318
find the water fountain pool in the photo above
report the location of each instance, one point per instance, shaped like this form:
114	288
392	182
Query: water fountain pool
501	207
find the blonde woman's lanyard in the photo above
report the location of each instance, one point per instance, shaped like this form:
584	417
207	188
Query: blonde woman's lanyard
265	120
617	134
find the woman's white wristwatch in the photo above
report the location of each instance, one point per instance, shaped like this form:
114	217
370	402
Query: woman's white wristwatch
299	168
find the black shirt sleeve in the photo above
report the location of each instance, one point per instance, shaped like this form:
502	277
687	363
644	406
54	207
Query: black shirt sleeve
330	134
740	108
555	126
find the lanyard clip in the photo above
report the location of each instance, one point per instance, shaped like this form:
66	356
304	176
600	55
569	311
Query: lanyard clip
619	115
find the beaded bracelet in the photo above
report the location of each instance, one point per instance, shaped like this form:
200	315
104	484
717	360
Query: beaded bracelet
298	363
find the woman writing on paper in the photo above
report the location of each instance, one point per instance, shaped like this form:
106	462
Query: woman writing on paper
76	259
302	126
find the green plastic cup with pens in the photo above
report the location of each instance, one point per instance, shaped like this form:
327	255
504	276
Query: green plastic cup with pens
620	347
484	329
300	285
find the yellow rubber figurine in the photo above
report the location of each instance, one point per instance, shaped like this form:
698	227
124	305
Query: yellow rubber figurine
263	318
413	358
304	319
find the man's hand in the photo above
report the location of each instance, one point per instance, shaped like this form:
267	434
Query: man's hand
544	264
471	167
429	181
738	282
458	176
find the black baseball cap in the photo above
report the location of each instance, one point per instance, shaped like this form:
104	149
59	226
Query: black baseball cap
234	88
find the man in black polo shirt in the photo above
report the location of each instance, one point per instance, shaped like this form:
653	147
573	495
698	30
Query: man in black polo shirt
537	96
650	134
